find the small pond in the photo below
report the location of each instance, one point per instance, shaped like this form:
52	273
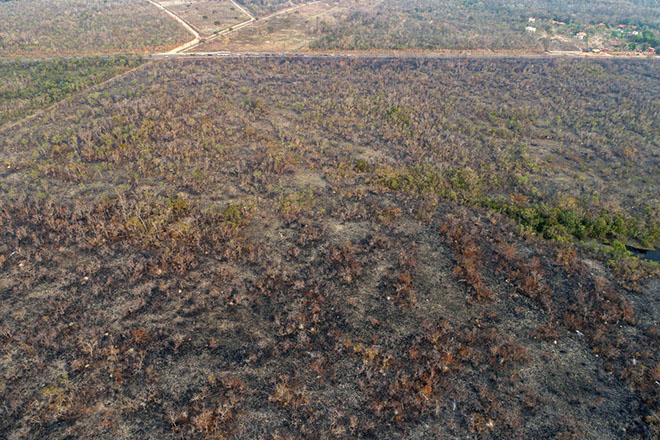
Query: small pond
651	255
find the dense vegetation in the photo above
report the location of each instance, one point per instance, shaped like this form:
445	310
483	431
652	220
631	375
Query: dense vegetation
46	28
30	86
297	248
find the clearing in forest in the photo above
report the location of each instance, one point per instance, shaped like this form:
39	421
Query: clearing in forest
207	17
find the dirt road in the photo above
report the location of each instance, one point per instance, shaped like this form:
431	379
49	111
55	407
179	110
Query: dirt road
243	10
198	37
185	24
178	53
410	55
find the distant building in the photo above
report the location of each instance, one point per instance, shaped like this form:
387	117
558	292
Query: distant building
650	51
532	20
531	29
580	35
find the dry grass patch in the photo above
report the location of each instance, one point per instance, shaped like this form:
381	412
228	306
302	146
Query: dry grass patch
207	16
288	31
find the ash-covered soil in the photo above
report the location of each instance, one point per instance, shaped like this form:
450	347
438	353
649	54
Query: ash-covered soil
217	250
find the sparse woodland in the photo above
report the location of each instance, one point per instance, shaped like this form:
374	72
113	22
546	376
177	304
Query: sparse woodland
296	248
50	28
47	28
478	25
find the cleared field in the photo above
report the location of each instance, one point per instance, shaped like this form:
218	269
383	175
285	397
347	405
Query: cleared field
46	28
262	8
287	31
207	16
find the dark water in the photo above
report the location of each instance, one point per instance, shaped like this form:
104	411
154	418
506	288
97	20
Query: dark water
653	255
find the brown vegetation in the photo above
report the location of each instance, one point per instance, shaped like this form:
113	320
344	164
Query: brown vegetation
48	28
425	25
306	249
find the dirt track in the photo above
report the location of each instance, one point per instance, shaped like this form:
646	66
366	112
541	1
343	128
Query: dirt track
190	28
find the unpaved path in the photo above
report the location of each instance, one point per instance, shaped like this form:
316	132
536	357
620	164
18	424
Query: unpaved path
243	10
198	37
251	21
185	24
410	55
178	53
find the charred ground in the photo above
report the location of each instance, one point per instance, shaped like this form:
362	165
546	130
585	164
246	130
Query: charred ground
335	249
